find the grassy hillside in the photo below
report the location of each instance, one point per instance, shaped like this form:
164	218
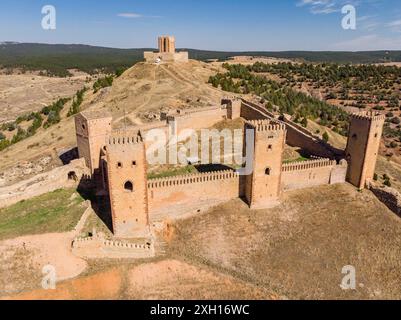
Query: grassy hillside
57	211
57	59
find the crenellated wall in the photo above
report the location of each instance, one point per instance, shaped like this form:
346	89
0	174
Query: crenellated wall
306	174
214	186
98	248
137	202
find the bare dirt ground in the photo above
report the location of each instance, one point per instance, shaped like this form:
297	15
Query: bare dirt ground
298	249
23	93
141	92
166	279
22	260
249	60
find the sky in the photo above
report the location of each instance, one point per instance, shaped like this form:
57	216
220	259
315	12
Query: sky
225	25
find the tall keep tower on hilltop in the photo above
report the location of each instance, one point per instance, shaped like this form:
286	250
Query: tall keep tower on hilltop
167	52
364	138
263	186
128	186
92	128
166	44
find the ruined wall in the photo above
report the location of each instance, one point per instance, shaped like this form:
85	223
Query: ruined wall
92	130
99	248
55	179
233	107
151	57
312	173
308	143
297	136
201	119
251	111
220	186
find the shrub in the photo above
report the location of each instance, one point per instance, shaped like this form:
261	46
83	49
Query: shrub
326	137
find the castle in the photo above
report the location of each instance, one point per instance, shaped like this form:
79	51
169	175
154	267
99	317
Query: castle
118	163
167	52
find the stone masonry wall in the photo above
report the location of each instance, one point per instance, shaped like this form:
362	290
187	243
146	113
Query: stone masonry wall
312	173
220	186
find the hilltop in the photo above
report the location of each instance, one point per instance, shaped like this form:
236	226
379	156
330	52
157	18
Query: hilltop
141	92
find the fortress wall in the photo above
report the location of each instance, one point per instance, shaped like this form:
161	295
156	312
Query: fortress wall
297	136
203	119
215	186
308	174
313	146
44	183
256	108
98	248
251	111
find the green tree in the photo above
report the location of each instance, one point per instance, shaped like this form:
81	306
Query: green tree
326	137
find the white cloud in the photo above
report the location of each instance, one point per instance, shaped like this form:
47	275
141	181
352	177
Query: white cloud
133	15
130	15
394	26
396	23
369	42
325	6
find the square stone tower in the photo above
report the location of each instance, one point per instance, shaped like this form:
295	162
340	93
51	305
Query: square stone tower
167	52
128	186
263	186
166	44
92	128
364	139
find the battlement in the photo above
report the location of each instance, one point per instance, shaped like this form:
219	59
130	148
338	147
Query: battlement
306	165
124	140
369	115
99	247
93	115
80	242
266	125
192	179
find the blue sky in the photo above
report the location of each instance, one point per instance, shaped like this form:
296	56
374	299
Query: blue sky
272	25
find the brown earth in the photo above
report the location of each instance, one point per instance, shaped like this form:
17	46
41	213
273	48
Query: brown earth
141	92
166	279
23	93
296	250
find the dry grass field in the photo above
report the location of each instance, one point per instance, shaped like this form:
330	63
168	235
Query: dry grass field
24	93
141	92
294	251
298	249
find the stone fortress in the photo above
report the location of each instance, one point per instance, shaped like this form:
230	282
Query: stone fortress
117	161
167	52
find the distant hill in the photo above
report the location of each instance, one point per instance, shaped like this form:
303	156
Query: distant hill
58	58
